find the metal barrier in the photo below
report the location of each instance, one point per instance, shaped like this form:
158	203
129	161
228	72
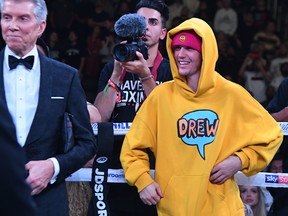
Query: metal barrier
262	179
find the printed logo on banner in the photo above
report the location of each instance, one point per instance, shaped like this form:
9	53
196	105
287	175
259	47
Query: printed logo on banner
116	176
283	180
284	126
271	178
102	160
122	126
99	192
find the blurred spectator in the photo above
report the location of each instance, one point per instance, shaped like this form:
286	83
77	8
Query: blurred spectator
228	63
192	6
254	74
122	8
184	14
278	69
108	44
270	92
269	39
107	6
276	165
99	16
93	62
108	26
74	53
204	12
284	70
176	21
54	45
61	17
83	12
225	19
246	31
261	13
254	196
278	106
241	7
93	58
175	11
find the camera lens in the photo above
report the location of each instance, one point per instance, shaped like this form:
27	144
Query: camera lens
124	52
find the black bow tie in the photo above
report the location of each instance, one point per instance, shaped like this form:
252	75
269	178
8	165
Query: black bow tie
27	62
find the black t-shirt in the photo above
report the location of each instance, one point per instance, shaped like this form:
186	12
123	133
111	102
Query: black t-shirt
132	91
72	55
132	97
123	197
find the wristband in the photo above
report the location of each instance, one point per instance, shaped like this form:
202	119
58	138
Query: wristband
145	78
114	86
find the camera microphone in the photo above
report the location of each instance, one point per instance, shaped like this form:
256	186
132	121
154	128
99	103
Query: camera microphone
130	26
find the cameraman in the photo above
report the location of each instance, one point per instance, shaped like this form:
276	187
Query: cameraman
134	81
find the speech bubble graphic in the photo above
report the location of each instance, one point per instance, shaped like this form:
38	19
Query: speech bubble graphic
198	128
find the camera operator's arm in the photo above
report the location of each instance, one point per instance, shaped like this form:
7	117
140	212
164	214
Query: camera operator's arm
106	99
141	69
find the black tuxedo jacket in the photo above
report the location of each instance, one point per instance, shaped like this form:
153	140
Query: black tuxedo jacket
13	188
60	91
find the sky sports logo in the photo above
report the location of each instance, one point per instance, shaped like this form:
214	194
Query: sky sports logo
276	179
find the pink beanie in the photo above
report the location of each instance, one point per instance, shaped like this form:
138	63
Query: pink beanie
189	39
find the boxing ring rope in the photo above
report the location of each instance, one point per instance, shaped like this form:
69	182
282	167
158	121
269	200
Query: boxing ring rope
263	179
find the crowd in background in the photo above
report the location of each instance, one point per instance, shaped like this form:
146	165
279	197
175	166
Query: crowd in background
251	50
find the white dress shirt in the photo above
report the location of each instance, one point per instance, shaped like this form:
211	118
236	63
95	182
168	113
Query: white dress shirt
22	93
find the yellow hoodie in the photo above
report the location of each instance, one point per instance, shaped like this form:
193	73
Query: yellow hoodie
190	132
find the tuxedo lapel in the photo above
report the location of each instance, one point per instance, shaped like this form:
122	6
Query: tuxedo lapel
38	126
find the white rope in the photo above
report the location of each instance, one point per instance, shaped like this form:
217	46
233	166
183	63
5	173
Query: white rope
123	127
262	179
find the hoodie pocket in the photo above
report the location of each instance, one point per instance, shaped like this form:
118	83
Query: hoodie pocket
195	195
181	196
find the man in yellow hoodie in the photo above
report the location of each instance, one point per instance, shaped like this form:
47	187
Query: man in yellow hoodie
202	129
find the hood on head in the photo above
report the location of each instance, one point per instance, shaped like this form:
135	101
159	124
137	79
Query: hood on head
209	51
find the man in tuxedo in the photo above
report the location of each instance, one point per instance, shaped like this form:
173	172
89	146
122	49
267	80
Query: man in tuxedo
34	95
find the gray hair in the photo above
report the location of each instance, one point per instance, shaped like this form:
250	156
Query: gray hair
40	9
